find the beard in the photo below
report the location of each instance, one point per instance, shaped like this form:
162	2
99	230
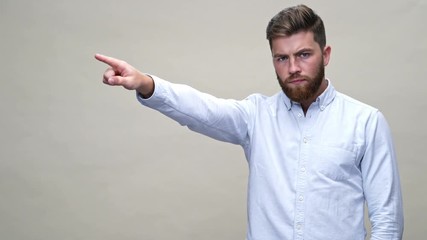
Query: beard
303	93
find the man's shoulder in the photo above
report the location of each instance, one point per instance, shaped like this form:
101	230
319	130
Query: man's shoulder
353	103
263	98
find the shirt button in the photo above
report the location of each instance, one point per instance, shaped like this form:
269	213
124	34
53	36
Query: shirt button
322	107
299	227
301	198
299	115
305	140
303	169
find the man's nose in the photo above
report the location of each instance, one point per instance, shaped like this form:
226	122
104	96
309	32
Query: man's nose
294	66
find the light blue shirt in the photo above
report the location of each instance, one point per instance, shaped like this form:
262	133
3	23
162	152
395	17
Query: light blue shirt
309	176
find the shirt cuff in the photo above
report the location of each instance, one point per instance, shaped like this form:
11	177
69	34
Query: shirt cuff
159	94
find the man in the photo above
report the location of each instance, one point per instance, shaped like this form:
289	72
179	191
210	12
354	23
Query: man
315	155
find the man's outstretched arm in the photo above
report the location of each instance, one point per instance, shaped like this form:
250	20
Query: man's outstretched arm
222	119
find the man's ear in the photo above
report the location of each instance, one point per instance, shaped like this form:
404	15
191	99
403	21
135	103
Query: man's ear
326	55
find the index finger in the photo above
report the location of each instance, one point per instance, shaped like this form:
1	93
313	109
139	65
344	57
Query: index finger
113	62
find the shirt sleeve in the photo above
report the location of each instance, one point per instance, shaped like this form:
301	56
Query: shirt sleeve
381	181
222	119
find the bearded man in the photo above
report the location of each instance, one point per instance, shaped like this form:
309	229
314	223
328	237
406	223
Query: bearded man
315	155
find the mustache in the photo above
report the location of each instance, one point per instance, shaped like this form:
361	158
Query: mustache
292	77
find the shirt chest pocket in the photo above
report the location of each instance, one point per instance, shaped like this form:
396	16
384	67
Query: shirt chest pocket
332	163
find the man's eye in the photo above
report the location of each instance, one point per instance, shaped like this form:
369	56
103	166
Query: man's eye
304	55
282	59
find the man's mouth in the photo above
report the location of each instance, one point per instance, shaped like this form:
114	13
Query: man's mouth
297	81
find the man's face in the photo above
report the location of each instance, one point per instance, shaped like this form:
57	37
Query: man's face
300	66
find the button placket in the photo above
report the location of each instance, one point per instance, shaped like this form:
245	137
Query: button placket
300	188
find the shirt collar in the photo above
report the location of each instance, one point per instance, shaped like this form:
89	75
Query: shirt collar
322	101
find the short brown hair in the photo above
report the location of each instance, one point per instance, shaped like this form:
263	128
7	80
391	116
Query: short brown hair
296	19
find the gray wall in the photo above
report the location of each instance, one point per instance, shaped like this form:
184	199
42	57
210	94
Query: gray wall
81	160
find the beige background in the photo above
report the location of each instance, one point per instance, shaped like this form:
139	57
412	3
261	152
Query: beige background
80	160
